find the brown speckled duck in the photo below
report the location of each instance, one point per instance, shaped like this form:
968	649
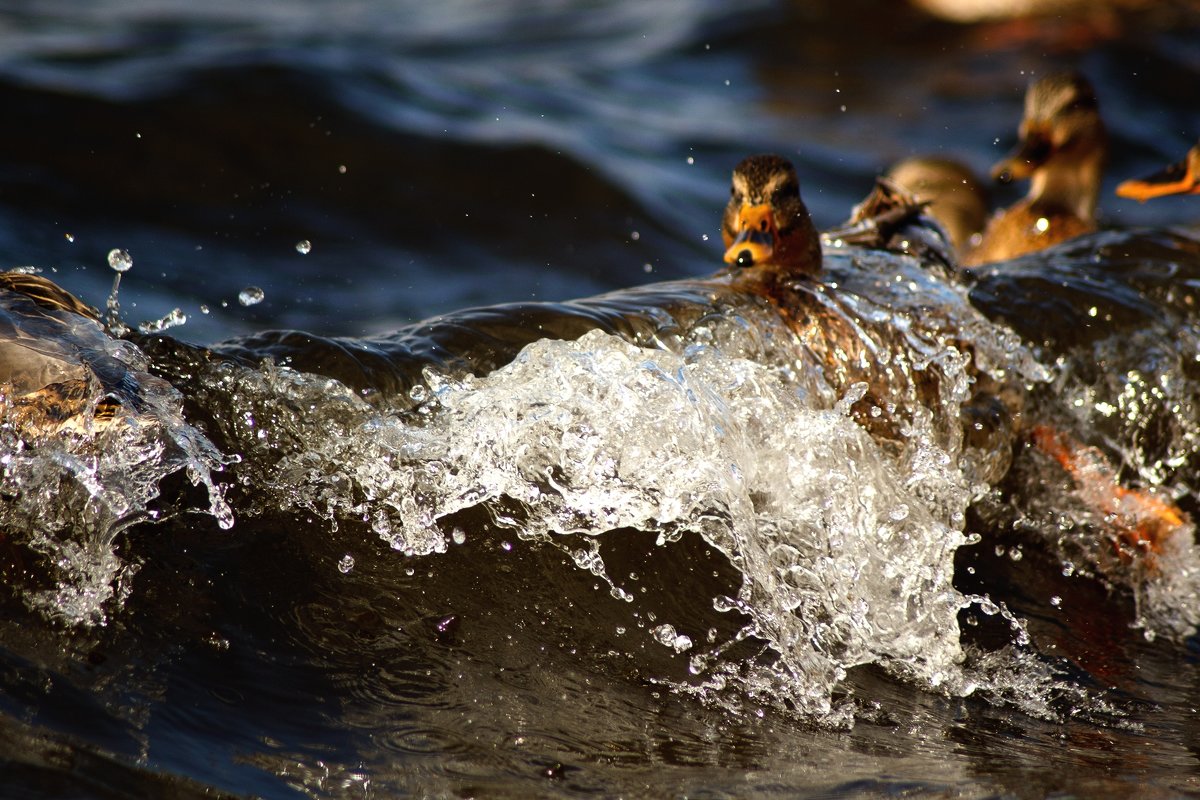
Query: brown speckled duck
1061	151
773	251
1180	178
766	225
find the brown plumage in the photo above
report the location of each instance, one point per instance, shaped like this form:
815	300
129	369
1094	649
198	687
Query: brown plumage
956	198
1061	151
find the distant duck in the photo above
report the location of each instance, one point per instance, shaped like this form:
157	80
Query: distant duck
1180	178
1062	148
955	197
975	11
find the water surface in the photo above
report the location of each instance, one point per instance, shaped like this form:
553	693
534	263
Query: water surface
517	582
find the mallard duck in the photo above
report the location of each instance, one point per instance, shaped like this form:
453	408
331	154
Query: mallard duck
955	197
1180	178
773	251
54	371
1061	151
766	225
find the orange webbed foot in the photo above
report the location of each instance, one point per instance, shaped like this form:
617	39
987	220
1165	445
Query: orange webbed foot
1141	521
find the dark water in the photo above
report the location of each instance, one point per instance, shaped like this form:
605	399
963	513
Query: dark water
457	154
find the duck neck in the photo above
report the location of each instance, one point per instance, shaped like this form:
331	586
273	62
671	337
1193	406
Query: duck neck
800	253
1073	187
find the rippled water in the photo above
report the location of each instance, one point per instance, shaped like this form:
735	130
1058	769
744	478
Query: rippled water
479	562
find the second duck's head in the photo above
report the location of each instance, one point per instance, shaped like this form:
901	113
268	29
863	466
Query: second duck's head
766	224
1062	144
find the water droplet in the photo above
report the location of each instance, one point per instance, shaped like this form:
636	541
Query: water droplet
635	235
458	535
346	564
666	635
341	169
171	320
70	237
724	604
507	546
203	309
120	260
251	296
647	268
304	247
691	160
1056	601
418	393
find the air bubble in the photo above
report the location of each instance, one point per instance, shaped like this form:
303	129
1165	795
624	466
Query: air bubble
346	564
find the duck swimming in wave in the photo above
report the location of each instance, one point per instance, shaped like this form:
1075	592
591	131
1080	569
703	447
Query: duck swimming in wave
1062	148
773	251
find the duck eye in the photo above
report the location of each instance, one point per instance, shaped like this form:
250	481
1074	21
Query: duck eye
785	191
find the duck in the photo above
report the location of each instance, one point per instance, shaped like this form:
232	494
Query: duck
774	251
766	227
1061	150
1180	178
769	234
55	373
954	195
975	11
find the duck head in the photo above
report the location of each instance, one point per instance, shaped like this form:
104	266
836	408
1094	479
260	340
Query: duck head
1062	144
766	225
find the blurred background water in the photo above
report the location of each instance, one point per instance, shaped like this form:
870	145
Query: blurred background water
570	147
371	163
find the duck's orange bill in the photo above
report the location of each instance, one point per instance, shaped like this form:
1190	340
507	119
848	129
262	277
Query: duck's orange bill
1178	178
754	242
